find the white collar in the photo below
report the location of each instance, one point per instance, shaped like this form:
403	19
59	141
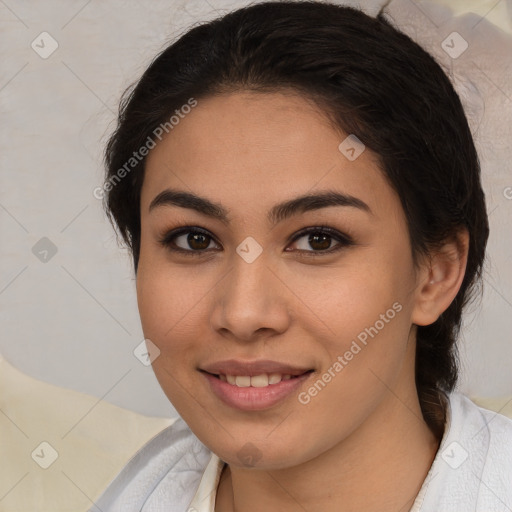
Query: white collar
204	498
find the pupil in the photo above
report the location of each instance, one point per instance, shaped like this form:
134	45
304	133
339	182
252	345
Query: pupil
195	239
313	239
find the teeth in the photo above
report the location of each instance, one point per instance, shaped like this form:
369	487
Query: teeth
257	381
274	378
243	381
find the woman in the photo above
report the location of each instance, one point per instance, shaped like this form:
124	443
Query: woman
301	194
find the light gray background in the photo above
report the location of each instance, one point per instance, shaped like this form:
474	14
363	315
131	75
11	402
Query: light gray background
73	320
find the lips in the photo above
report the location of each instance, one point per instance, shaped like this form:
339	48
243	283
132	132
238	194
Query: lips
238	367
254	397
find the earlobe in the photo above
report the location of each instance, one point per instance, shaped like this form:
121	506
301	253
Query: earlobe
440	279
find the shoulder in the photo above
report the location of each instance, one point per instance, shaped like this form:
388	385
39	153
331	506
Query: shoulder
165	471
494	431
496	427
473	467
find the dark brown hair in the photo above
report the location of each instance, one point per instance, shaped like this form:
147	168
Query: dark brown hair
373	81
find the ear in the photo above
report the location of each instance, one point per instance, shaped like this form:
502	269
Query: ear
440	279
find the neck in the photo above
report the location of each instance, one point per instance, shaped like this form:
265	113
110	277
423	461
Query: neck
381	466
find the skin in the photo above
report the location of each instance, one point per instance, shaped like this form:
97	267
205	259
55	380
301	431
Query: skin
359	444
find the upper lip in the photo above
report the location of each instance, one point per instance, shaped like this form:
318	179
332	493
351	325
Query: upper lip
252	368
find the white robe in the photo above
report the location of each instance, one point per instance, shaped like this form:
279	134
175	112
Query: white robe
472	470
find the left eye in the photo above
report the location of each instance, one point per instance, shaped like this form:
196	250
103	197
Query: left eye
196	241
320	240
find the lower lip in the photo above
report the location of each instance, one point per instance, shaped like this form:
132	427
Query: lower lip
251	398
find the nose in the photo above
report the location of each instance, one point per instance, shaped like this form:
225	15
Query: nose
251	302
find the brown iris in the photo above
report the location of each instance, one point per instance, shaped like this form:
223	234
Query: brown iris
323	244
198	241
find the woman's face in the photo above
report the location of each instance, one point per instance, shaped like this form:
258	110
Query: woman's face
250	287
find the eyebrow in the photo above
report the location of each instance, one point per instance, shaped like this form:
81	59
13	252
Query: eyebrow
278	213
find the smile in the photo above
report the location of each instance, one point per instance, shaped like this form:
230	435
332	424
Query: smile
255	392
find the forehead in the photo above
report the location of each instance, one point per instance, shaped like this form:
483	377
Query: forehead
253	148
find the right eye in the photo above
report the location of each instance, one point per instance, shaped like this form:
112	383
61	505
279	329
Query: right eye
188	240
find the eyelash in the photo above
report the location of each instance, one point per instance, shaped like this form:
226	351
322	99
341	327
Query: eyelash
344	240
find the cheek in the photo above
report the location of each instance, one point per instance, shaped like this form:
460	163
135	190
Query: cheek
355	298
360	364
370	341
365	313
170	302
172	314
